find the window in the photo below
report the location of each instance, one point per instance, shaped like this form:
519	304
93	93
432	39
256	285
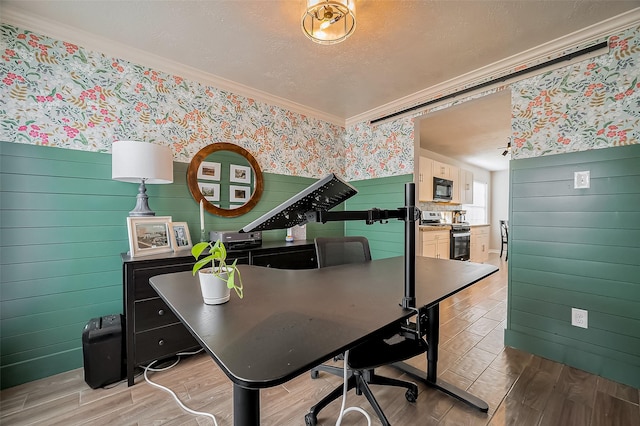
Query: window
477	212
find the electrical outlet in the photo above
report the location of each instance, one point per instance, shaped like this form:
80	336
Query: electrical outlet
579	318
581	180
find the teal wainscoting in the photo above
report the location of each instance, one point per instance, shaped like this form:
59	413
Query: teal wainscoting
577	248
386	240
63	227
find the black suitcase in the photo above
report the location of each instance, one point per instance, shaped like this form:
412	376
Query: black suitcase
102	349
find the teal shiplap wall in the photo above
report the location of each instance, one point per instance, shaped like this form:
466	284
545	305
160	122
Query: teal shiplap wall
386	240
62	229
577	248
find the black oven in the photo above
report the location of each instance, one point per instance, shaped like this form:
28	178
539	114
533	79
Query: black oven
460	242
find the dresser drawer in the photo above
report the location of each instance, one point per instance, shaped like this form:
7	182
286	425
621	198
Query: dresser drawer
143	289
152	313
162	342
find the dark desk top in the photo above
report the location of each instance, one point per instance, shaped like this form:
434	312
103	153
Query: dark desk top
290	321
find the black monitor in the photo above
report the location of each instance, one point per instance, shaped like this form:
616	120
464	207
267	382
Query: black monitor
323	195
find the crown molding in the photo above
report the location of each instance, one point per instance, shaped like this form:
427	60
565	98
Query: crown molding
524	59
118	50
521	60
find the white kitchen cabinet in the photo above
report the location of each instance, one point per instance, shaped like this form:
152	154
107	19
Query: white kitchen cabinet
425	179
466	187
454	172
441	170
435	244
479	244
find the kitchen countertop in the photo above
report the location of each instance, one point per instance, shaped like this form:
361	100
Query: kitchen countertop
442	227
445	227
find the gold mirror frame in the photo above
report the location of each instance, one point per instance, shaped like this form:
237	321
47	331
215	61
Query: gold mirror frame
192	179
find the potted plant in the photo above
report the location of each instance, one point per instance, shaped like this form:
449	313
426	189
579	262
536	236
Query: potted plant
217	280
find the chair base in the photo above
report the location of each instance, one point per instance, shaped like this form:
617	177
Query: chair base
360	381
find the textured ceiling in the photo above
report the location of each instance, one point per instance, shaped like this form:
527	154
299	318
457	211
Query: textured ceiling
475	132
399	47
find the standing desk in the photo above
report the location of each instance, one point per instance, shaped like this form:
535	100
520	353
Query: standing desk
293	320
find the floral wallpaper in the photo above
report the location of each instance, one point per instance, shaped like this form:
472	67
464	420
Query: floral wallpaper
59	94
593	104
380	151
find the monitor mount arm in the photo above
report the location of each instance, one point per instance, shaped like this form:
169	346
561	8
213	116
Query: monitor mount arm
409	214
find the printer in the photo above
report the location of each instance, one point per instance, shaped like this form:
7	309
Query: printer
234	240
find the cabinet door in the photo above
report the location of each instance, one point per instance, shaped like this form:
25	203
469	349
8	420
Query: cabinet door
466	187
440	170
484	248
479	244
454	173
444	247
429	248
425	180
435	244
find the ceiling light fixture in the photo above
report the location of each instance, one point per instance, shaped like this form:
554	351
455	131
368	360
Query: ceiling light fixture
329	21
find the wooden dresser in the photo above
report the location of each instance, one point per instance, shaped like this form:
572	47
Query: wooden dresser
152	331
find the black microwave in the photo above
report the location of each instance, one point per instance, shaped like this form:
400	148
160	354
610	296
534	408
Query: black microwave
442	189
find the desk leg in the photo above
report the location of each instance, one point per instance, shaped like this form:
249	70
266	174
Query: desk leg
431	379
246	406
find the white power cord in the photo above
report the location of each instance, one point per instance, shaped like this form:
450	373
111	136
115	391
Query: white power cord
184	407
345	388
343	410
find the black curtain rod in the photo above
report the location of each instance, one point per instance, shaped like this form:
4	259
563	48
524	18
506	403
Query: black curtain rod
566	57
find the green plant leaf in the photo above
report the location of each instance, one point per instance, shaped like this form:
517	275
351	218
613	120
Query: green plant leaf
201	264
197	249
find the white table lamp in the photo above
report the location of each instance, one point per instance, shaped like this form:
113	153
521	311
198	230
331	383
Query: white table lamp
141	162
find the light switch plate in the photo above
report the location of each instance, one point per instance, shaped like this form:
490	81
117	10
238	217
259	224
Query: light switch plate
581	180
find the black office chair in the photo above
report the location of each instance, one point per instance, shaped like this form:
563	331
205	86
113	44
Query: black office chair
504	237
364	358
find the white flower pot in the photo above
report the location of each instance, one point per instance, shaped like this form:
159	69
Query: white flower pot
214	290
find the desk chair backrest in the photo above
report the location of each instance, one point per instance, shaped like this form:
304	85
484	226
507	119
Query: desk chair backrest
332	251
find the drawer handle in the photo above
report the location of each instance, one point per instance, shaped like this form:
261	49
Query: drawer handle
161	312
160	342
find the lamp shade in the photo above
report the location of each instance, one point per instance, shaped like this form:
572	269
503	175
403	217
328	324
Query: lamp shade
133	161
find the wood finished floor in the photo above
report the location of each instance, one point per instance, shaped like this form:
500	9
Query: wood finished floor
521	389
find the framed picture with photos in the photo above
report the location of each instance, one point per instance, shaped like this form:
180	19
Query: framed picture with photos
239	174
180	237
209	170
149	235
210	191
239	194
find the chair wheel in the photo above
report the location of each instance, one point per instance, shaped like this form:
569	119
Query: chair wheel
315	374
310	420
411	395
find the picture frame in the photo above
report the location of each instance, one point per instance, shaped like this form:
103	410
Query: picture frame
240	174
239	194
210	191
180	237
149	235
209	170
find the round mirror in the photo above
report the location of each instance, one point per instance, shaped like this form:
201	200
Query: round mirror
226	178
